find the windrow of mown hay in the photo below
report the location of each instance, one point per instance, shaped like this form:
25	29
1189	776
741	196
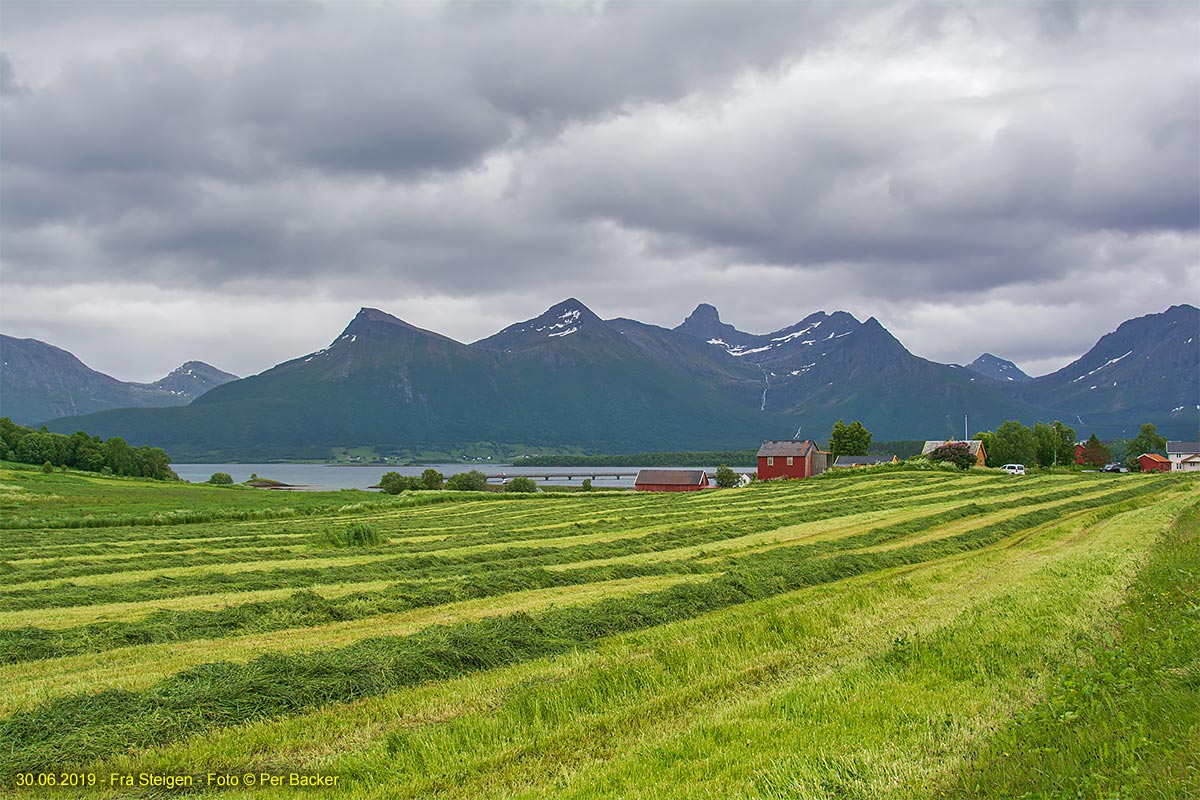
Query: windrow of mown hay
217	695
878	685
687	529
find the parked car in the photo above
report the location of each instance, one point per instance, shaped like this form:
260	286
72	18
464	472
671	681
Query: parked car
1114	467
1014	469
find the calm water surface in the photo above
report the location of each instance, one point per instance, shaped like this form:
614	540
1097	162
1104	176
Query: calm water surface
330	476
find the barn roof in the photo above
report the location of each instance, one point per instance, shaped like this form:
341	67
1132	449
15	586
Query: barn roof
788	447
1155	457
1183	447
973	446
862	461
671	477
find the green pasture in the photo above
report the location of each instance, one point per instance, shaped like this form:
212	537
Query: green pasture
885	634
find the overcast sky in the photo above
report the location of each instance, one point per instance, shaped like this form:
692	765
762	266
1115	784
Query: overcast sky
230	182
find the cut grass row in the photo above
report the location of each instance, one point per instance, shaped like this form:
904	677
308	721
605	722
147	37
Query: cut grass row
1122	719
29	684
878	685
217	695
177	581
308	608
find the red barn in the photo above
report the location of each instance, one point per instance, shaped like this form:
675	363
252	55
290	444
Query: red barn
670	480
791	458
1079	451
1153	462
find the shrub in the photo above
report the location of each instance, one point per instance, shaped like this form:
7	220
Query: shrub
395	483
726	477
47	467
432	479
520	484
473	481
956	453
586	485
221	479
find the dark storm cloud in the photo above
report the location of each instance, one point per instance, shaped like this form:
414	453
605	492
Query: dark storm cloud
497	156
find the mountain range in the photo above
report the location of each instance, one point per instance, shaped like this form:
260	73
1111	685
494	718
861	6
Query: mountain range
39	381
568	379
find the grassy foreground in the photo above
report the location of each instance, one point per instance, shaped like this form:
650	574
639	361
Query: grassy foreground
887	635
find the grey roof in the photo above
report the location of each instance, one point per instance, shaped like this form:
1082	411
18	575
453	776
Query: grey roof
1183	447
787	447
973	446
861	461
671	477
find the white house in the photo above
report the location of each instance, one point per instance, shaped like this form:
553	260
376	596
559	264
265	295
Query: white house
1185	456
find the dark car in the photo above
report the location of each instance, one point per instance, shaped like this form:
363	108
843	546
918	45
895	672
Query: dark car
1114	467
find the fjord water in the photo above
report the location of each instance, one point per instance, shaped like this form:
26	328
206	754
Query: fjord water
339	476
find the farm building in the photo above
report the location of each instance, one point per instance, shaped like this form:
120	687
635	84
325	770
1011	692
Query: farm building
1080	450
974	446
863	461
1153	462
791	458
670	480
1184	456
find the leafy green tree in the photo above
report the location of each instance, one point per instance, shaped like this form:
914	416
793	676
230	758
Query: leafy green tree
1054	444
432	479
221	479
1147	441
118	456
1064	444
727	478
1013	443
1094	453
586	485
849	440
520	484
395	483
473	481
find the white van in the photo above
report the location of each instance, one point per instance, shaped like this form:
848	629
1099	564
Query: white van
1014	469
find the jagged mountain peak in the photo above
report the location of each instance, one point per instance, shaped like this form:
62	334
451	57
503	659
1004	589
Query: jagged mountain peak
703	313
559	323
193	378
374	323
997	368
705	323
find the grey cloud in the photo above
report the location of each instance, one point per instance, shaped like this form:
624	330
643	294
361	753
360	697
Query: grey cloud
853	154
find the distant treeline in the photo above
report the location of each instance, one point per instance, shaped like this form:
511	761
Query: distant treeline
734	458
904	448
80	451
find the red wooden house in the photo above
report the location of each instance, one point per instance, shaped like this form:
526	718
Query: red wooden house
1153	462
670	480
791	458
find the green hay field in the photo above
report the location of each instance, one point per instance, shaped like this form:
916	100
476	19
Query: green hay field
889	634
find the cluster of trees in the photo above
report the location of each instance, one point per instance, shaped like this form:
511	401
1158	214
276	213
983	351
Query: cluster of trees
395	483
431	479
1043	445
1147	441
1053	445
80	451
